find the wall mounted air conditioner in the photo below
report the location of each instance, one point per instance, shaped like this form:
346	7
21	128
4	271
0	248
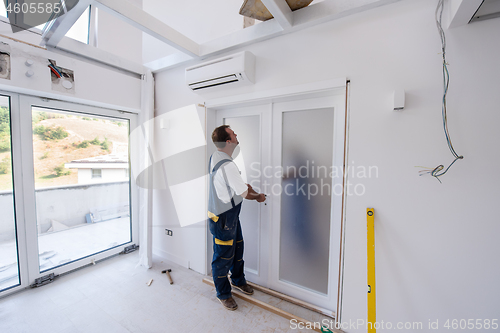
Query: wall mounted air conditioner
229	71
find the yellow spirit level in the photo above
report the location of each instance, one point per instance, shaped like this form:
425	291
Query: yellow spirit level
372	304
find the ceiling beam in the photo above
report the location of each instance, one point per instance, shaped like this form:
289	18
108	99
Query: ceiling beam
149	24
330	10
72	47
60	26
462	11
280	11
306	17
167	61
246	36
262	31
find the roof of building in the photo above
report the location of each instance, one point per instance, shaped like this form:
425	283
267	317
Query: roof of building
111	158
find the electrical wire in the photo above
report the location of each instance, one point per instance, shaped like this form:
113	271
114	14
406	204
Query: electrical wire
55	71
438	171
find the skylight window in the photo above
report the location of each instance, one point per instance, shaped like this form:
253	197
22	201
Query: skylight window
79	31
3	11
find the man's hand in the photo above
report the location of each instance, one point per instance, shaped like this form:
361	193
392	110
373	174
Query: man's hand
252	195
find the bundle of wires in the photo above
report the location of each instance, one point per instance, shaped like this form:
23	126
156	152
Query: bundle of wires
54	69
438	171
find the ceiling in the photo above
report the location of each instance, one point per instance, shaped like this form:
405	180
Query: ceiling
179	32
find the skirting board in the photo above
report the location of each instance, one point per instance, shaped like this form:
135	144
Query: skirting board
170	257
271	308
293	300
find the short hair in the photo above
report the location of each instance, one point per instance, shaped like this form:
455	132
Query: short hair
220	136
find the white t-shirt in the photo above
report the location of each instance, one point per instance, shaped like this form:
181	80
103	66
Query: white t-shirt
236	183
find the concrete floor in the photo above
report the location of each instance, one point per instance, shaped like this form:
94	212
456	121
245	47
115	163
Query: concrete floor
113	296
57	248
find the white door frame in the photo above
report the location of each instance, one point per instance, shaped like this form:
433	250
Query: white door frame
264	112
337	103
299	92
18	194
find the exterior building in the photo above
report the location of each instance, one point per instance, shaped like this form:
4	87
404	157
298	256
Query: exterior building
101	169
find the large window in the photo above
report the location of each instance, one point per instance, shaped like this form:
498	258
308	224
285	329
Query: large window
66	196
71	151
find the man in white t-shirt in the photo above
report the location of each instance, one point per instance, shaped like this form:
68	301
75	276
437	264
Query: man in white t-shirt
226	192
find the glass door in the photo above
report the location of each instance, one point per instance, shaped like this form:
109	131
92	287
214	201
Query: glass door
9	254
307	198
77	189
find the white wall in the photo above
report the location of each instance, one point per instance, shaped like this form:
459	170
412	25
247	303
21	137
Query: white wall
96	83
66	204
107	175
436	244
70	204
93	84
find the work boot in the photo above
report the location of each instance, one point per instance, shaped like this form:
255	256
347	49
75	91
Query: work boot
229	303
246	289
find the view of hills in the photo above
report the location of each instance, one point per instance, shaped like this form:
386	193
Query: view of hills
60	138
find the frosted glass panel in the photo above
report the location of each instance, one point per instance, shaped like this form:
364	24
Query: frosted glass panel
248	131
306	198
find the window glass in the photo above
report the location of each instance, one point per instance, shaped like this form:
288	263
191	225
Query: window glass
306	198
96	173
80	210
9	268
3	12
79	31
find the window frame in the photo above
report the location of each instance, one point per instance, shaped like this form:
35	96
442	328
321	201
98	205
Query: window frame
96	176
24	186
91	28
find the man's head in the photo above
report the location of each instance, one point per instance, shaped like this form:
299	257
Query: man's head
224	138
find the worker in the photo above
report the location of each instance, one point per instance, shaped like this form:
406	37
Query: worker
226	192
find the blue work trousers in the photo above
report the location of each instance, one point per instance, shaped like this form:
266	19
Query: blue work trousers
228	252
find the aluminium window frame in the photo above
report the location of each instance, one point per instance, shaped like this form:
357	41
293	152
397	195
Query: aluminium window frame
24	186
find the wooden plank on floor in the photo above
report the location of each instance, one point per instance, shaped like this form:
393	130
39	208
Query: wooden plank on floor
293	300
271	308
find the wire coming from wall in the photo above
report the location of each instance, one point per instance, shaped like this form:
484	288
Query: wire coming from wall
438	171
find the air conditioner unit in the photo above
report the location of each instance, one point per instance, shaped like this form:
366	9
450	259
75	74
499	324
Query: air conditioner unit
230	71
